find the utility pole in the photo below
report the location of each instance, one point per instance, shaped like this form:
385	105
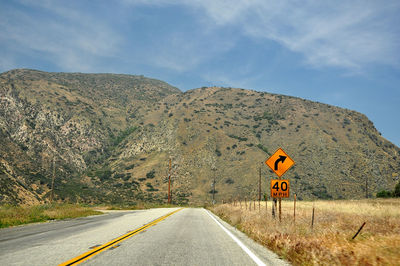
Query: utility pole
213	185
169	182
52	180
294	209
259	189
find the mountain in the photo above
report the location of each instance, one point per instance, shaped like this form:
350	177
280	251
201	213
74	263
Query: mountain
110	138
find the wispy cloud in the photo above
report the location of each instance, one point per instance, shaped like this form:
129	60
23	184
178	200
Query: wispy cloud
347	34
181	53
71	39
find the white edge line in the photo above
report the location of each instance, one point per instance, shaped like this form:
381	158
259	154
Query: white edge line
248	251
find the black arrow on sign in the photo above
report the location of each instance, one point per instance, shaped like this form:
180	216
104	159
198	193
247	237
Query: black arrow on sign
281	159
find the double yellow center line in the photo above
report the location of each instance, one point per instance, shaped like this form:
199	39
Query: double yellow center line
97	250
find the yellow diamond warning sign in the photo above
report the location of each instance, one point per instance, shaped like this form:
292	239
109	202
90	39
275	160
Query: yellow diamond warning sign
279	162
280	188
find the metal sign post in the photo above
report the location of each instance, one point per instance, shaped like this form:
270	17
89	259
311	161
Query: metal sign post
280	162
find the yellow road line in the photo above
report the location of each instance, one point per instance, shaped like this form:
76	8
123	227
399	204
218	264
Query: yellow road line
97	250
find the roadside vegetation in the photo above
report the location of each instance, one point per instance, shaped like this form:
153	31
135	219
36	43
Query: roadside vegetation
17	215
329	241
390	194
137	206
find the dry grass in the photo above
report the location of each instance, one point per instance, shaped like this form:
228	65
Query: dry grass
329	242
138	206
16	215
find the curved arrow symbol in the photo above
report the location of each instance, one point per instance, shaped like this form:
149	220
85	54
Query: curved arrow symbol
281	159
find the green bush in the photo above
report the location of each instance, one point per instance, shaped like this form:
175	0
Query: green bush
229	181
151	174
389	194
384	194
238	138
150	187
122	135
264	149
103	173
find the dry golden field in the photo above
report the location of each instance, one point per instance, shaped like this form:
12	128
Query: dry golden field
329	242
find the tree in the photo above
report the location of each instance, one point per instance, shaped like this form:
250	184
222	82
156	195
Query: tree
396	192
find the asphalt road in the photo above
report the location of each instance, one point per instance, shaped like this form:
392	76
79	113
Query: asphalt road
191	236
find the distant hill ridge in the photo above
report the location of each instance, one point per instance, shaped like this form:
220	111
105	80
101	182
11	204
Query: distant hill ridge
110	137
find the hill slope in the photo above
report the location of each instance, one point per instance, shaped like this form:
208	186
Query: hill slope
112	137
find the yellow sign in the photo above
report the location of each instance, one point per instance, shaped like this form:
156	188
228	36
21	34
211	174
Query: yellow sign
280	188
279	162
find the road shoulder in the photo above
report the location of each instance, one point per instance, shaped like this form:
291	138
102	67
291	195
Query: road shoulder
263	253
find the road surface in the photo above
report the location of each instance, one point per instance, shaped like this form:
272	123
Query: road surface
165	236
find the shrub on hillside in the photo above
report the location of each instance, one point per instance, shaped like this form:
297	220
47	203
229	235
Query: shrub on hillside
115	140
103	173
384	194
151	174
264	149
229	181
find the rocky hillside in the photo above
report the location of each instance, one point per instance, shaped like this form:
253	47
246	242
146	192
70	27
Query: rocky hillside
110	138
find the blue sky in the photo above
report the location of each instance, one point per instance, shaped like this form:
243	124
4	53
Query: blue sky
344	53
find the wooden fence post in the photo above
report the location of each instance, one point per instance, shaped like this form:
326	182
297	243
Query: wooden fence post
294	210
280	209
359	230
273	207
266	205
312	219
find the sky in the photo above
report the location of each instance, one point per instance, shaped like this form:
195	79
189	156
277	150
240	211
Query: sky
344	53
